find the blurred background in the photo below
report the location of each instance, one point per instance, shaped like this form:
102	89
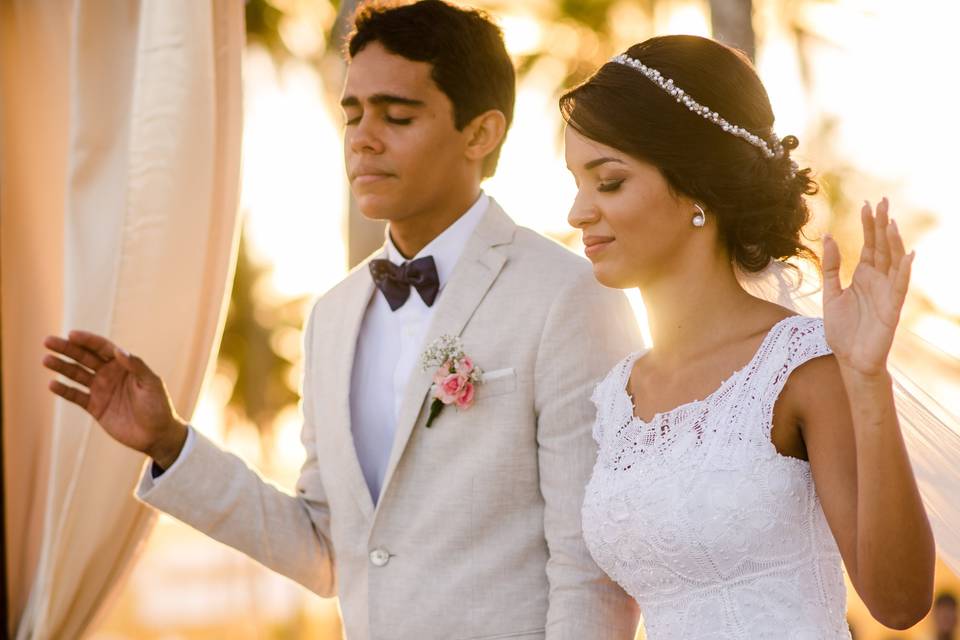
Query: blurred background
862	84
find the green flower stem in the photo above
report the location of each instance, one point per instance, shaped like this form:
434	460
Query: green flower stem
435	408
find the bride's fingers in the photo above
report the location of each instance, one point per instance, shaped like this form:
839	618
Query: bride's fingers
897	250
71	394
881	258
869	236
901	282
73	351
831	269
73	371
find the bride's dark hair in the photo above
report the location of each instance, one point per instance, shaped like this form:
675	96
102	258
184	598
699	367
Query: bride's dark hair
758	202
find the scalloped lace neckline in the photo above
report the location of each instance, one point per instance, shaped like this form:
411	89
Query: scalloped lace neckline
624	386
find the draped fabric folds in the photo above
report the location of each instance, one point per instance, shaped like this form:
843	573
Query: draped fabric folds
120	129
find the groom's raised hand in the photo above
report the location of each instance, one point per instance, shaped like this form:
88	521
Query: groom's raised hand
120	391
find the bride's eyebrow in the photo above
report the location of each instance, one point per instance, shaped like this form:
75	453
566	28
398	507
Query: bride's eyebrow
596	162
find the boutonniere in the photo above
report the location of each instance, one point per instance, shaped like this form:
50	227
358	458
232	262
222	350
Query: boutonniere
456	376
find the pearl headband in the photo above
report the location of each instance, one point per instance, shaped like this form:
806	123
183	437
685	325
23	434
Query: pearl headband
774	150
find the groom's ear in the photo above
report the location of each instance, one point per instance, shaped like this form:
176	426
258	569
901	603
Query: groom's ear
484	133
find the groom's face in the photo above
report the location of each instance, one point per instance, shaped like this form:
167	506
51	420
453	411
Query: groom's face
403	154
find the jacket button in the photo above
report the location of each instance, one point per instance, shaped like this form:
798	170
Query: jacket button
379	557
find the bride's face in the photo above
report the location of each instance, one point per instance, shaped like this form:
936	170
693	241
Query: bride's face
634	227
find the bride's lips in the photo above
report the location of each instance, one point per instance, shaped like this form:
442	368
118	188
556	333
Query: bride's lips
595	244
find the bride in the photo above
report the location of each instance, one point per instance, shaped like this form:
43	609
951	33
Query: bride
751	450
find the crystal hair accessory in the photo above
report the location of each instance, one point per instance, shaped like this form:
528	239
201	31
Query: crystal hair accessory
774	150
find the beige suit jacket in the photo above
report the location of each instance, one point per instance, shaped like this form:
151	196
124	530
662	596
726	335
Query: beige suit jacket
477	532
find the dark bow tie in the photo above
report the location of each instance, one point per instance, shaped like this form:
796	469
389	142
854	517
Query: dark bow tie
395	280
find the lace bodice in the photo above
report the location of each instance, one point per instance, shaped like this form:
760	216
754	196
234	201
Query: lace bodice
698	517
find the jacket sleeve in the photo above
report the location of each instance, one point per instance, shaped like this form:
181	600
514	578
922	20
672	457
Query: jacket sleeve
588	330
218	494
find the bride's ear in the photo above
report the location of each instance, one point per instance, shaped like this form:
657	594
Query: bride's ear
484	133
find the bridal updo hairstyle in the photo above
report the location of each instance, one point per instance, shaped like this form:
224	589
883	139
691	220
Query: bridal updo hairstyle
758	206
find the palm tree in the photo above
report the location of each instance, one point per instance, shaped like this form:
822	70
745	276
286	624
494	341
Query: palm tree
732	24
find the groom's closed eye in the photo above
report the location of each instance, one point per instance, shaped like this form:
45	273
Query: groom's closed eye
354	119
397	119
387	105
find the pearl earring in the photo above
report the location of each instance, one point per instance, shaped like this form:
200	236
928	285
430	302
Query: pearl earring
701	218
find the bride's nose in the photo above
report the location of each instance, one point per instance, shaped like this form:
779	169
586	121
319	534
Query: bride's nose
582	213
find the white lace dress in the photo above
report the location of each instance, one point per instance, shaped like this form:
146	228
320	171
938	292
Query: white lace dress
699	518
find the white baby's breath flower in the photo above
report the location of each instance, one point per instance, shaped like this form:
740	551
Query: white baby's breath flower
443	349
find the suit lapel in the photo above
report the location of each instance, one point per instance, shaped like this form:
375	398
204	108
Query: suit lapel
348	331
476	271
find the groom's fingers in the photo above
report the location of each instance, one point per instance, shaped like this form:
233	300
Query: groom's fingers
134	364
73	351
75	396
73	371
93	342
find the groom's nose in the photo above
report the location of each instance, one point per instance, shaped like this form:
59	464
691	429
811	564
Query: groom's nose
363	137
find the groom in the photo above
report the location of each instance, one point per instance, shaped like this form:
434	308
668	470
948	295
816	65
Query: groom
469	528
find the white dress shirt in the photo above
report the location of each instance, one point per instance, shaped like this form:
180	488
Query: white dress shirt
389	347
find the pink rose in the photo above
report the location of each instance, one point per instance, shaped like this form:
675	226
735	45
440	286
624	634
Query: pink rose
464	366
465	397
450	388
440	375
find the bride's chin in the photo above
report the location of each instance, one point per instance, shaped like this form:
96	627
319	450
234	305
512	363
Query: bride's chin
611	277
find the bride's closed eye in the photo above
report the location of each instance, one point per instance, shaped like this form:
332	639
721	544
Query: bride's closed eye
607	186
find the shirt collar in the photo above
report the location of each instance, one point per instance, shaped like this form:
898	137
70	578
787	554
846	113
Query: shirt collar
446	247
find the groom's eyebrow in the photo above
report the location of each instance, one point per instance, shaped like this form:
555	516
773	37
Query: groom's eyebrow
599	161
382	98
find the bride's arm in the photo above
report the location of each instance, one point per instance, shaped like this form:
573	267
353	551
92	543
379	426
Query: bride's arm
849	423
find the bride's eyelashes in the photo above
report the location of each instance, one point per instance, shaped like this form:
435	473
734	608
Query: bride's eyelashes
606	186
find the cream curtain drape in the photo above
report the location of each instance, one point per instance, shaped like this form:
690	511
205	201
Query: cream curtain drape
120	133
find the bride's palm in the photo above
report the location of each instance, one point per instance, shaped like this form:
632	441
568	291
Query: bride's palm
861	320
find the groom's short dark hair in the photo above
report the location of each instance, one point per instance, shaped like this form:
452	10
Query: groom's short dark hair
465	48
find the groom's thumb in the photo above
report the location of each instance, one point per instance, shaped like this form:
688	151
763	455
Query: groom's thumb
132	363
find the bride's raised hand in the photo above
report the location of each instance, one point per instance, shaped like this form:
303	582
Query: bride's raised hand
861	320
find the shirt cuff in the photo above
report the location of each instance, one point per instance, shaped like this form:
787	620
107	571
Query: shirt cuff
156	471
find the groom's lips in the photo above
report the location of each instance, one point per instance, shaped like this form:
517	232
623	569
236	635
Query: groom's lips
595	244
369	176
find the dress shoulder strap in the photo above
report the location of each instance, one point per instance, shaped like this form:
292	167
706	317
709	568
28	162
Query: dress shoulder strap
799	340
607	394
